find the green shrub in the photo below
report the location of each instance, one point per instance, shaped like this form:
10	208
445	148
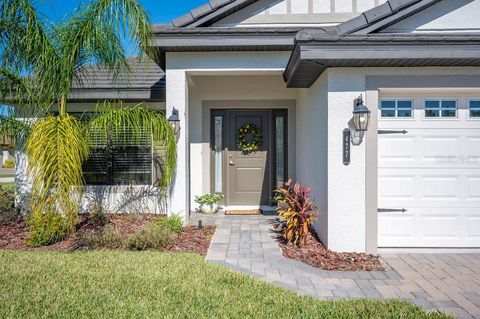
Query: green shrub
154	236
46	228
9	163
97	215
8	212
107	238
174	223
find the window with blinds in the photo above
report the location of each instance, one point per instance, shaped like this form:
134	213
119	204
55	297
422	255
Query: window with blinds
125	162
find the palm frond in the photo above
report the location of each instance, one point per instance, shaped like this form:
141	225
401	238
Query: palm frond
17	130
19	90
126	125
94	36
56	148
28	49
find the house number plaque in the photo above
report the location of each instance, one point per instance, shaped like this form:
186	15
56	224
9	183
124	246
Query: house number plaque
346	146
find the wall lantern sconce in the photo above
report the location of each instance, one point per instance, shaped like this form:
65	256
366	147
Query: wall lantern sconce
174	121
361	116
358	125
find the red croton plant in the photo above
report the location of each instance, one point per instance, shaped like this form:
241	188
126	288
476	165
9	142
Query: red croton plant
299	211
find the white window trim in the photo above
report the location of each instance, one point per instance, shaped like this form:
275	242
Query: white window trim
440	118
469	118
396	117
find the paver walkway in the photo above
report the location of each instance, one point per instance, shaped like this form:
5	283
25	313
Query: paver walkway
448	282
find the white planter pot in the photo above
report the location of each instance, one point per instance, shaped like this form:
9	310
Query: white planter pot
209	209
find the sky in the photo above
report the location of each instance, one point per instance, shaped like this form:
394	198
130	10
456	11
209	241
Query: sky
160	11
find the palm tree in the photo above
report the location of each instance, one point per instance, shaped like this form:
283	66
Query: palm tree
39	62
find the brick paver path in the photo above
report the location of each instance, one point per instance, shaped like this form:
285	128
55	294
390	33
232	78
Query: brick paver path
449	282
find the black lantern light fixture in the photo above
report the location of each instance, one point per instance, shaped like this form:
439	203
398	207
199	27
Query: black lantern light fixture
174	121
361	116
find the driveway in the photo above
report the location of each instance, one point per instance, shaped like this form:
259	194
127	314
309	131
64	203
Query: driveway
449	282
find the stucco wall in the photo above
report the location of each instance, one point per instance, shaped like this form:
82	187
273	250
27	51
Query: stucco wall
312	138
447	15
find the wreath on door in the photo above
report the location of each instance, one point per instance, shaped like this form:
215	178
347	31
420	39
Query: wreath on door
249	139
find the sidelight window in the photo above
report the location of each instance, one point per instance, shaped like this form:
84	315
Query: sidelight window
218	147
280	131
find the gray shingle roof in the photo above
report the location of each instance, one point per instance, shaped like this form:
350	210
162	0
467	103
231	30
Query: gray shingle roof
146	82
210	12
383	15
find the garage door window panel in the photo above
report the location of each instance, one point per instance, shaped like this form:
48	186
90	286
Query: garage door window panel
440	108
396	109
474	109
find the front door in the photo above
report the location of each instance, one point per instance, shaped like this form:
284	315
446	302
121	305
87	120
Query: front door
247	177
248	172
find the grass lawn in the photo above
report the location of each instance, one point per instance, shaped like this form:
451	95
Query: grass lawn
158	285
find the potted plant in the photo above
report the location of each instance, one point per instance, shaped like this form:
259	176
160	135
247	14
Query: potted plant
209	203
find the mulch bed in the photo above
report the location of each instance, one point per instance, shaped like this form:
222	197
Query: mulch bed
190	240
315	254
193	240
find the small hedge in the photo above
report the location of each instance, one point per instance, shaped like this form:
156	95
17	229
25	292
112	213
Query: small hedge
9	163
161	233
156	236
46	228
174	223
8	212
105	238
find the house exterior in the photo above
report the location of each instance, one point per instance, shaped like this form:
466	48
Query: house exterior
294	70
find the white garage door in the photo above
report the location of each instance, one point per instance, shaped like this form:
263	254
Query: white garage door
432	171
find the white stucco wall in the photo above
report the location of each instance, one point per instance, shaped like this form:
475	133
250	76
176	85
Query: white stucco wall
346	183
312	144
445	16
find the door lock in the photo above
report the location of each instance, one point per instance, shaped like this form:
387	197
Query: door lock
231	163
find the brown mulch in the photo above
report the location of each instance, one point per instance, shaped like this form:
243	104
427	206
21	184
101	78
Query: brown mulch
315	254
190	240
193	240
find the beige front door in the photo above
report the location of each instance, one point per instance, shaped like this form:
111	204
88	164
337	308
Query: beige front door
248	179
248	174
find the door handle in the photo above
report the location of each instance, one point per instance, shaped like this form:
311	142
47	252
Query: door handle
231	163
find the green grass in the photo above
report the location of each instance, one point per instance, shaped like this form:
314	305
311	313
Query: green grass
158	285
6	175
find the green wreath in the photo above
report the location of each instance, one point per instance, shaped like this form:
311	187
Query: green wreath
249	139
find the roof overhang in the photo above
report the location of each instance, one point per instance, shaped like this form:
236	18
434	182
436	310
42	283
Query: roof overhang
224	39
311	56
128	94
